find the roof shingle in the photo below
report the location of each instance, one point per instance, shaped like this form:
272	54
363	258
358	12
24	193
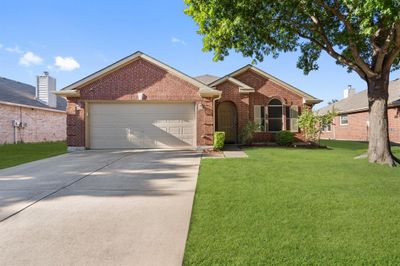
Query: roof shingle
359	101
20	93
206	79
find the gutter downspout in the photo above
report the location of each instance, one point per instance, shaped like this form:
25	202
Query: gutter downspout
214	100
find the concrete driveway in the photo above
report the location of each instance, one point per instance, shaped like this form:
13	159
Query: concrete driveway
98	208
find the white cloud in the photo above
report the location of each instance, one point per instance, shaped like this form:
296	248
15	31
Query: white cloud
66	63
177	40
14	49
1	45
29	59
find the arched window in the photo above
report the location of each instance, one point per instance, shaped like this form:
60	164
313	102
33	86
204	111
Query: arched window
275	115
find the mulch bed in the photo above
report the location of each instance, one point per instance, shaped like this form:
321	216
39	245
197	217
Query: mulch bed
211	153
295	145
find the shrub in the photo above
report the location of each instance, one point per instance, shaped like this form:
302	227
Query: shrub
312	123
247	133
219	140
284	138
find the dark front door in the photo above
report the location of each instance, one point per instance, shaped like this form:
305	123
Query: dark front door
227	121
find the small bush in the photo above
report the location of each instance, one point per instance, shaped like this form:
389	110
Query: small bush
219	140
284	138
247	133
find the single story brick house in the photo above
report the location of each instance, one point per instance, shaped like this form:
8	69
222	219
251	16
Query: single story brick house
352	120
140	102
29	114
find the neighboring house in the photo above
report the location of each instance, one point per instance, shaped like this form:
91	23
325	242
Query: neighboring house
29	114
352	120
139	102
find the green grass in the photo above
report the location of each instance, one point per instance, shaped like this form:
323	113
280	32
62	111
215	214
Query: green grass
14	154
296	207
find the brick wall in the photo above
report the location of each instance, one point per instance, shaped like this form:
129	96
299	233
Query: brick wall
357	127
42	125
265	90
125	83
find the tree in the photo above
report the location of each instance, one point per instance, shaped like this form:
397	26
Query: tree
312	124
362	35
333	101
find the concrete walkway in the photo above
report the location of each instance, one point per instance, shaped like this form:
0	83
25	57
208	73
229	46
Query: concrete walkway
98	208
233	151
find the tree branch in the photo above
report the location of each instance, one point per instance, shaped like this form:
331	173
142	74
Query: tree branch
353	47
389	59
331	51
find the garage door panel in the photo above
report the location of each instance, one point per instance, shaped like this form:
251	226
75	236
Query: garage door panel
142	125
138	108
145	117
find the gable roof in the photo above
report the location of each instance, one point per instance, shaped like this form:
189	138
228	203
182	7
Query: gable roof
207	78
203	88
359	101
18	93
307	98
244	88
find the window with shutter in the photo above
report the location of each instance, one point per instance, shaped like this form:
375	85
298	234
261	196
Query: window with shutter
294	117
259	116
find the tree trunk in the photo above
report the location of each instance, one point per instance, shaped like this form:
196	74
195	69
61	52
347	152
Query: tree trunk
378	130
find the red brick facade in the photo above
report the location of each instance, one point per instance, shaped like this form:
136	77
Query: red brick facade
125	83
357	127
160	84
265	90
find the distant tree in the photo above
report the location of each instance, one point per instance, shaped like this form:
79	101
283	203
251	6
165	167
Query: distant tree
362	35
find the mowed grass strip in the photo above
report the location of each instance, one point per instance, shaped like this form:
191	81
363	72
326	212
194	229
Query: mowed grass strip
296	207
15	154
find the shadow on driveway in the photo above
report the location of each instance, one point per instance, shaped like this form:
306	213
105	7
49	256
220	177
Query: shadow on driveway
107	207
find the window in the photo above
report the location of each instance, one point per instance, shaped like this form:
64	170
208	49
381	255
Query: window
287	112
259	116
344	120
275	115
279	117
327	128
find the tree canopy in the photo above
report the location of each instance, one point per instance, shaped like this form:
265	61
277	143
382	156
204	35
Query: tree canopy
362	35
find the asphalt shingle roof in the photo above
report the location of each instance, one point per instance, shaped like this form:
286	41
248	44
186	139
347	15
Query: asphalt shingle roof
20	93
359	101
206	79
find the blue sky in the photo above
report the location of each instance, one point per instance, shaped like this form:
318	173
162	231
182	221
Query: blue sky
72	39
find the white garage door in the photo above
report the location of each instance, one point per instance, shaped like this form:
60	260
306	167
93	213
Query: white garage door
141	125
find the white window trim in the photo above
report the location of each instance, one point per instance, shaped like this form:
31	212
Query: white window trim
340	120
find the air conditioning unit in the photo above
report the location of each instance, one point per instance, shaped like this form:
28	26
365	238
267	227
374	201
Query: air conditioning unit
16	123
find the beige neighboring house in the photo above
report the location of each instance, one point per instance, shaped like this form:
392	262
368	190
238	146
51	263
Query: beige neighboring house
29	114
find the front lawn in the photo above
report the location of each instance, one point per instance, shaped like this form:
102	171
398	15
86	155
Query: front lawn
296	206
14	154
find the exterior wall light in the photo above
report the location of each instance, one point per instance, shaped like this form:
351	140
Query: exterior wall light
141	96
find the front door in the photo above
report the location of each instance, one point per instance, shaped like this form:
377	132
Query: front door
227	121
